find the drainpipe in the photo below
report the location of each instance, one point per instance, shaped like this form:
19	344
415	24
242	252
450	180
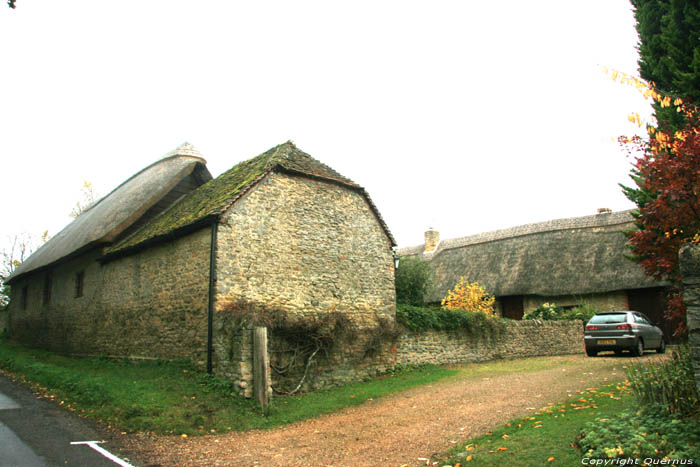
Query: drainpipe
212	280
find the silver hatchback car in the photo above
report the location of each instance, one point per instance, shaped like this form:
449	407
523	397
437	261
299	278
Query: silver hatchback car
622	330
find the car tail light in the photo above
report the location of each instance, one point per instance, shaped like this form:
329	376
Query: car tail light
591	328
624	326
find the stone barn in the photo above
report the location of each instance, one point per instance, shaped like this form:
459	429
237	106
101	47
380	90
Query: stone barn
569	262
151	269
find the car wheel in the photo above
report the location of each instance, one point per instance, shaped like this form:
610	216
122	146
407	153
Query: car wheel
591	353
662	346
638	350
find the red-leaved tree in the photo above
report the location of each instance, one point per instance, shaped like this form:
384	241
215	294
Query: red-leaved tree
667	173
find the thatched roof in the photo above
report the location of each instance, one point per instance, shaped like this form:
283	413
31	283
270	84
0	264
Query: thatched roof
574	256
214	198
111	216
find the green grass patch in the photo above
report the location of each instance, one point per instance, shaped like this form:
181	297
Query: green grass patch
176	398
521	365
545	437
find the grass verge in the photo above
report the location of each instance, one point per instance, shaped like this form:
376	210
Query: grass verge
176	398
546	437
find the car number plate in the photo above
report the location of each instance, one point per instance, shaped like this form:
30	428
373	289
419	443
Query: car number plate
606	341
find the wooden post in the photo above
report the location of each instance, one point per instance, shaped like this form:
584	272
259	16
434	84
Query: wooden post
261	362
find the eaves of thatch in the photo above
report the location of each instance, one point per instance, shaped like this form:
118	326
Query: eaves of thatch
211	200
114	215
577	256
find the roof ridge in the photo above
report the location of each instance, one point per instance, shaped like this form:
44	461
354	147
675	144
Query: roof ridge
217	196
185	149
569	223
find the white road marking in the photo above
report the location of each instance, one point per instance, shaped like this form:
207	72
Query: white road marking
13	451
7	403
104	452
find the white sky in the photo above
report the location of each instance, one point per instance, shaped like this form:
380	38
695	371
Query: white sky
461	115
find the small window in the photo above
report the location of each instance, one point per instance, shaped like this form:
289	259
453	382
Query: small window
47	288
641	319
79	283
25	295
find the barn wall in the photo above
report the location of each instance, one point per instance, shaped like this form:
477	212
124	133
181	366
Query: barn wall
151	304
306	246
154	302
309	248
63	324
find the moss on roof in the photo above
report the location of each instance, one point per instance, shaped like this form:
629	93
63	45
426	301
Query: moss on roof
217	195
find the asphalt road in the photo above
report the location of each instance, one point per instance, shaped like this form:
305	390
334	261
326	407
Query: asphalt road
36	433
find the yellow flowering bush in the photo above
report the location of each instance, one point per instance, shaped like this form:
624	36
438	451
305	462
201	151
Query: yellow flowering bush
469	296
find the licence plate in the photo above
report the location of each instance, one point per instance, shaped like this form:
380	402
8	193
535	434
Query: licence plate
606	341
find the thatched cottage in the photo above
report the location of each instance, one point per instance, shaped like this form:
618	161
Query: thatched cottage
146	270
566	261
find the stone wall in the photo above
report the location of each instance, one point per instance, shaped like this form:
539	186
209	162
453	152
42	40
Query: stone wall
309	248
689	260
521	339
306	246
64	324
155	302
151	304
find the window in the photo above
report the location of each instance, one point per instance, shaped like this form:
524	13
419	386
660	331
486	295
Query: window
609	318
47	288
79	283
25	295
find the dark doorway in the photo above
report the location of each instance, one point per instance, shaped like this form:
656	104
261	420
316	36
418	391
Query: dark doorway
512	306
652	302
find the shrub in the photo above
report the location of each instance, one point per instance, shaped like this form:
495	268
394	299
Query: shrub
545	311
582	312
469	296
472	323
550	311
649	433
669	383
666	424
413	281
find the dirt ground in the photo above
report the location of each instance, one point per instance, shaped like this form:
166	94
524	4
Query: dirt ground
392	431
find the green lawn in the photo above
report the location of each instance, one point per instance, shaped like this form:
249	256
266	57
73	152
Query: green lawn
544	438
176	398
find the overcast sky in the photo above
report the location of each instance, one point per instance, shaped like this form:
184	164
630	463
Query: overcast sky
461	115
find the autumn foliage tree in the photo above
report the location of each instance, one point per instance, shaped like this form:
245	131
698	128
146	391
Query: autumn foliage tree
667	174
469	296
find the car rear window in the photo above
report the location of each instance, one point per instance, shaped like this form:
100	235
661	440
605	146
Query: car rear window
607	319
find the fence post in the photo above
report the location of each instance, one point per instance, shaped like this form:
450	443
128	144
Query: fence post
261	362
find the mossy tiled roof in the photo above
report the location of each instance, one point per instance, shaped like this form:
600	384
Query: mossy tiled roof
215	197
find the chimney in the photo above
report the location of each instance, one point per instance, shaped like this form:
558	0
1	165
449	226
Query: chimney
604	211
432	238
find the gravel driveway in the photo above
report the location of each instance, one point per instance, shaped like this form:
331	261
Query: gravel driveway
394	430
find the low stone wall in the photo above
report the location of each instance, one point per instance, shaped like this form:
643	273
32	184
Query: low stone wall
234	356
530	338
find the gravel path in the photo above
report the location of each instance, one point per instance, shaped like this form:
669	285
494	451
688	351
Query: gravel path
393	430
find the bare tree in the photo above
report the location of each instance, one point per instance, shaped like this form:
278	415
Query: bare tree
20	247
87	199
